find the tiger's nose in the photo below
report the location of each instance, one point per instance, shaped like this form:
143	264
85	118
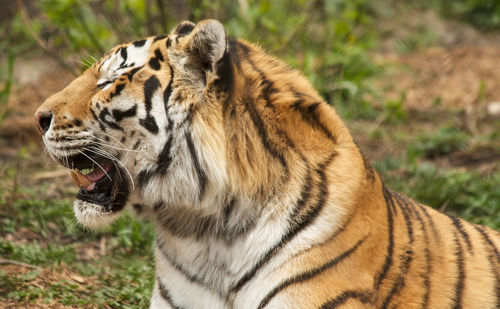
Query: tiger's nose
43	121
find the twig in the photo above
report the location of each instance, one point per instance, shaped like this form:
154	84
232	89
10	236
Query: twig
12	262
51	174
163	17
42	43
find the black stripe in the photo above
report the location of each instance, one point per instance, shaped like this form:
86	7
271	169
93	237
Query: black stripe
458	225
101	125
225	81
493	264
160	37
120	114
158	206
228	209
184	29
267	85
460	285
123	54
168	92
233	48
399	284
139	43
202	177
309	274
390	246
237	229
165	157
308	115
264	136
139	208
130	74
297	225
150	86
190	277
103	84
333	236
407	256
193	278
403	205
154	62
430	220
428	270
102	117
144	176
150	124
117	91
165	294
365	297
488	240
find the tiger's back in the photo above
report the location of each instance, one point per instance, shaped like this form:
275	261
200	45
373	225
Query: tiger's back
259	195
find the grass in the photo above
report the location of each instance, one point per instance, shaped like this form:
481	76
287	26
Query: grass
67	264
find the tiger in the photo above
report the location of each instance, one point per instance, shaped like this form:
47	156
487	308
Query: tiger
258	194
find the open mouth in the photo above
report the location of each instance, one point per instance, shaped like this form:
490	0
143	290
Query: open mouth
100	181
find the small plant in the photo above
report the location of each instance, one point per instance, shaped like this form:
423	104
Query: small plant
443	142
394	111
483	14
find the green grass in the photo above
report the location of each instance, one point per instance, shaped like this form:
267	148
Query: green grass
468	194
44	233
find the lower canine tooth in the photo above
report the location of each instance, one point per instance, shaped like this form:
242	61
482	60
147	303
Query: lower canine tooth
74	178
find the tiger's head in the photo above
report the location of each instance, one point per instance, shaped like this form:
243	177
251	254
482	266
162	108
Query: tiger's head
132	118
190	121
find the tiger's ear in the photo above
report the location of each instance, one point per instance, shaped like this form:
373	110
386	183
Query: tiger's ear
206	43
184	28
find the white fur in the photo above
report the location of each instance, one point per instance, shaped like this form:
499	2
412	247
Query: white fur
93	216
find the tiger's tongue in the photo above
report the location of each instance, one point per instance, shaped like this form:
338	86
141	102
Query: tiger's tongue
89	181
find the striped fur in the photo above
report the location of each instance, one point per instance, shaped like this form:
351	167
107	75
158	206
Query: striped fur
260	197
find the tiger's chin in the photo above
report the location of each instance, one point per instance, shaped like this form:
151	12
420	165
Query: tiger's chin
92	215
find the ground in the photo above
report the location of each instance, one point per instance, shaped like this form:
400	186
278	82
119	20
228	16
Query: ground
437	122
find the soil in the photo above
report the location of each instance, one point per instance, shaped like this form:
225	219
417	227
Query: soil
455	78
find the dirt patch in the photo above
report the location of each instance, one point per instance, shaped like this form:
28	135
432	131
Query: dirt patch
22	277
455	78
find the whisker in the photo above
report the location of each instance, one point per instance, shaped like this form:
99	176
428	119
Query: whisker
104	141
111	146
96	164
114	159
105	154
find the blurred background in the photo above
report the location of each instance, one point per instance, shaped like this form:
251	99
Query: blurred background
418	83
